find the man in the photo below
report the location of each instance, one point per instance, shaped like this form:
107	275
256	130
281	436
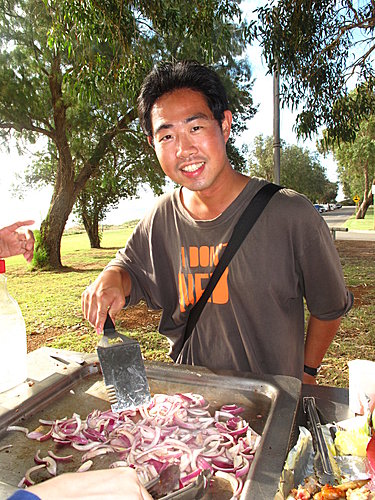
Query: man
254	320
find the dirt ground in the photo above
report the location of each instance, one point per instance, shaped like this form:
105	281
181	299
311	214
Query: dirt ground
139	317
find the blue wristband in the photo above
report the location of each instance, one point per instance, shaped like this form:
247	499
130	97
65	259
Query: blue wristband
23	495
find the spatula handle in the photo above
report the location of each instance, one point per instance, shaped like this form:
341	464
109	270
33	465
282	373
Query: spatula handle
109	331
108	325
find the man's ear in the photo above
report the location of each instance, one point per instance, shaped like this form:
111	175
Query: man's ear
226	124
150	140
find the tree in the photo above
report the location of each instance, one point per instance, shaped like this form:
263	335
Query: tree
300	169
38	99
70	72
119	179
234	71
356	164
318	46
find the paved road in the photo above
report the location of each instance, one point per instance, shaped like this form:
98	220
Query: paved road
337	218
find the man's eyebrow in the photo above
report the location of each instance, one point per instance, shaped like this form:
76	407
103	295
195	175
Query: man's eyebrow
167	126
197	117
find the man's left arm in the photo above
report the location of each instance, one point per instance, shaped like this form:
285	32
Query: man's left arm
318	339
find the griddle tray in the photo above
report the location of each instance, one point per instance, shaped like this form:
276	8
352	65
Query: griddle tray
56	389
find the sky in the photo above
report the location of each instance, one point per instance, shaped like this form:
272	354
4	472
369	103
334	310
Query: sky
35	203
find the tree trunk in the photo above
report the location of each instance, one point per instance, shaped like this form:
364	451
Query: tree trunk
64	195
362	209
91	225
53	226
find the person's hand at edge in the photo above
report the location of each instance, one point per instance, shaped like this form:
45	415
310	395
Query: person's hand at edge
120	483
16	240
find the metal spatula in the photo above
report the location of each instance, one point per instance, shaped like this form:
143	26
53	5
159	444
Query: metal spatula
123	369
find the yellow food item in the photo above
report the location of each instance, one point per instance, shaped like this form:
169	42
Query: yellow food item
352	442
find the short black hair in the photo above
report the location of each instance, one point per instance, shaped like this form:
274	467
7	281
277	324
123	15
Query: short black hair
169	76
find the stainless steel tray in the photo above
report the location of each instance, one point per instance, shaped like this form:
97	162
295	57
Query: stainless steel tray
57	388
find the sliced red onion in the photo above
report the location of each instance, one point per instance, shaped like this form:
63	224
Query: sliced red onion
158	465
225	415
46	422
35	435
27	481
171	429
233	409
38	460
244	469
18	428
59	458
190	477
46	436
61	442
192	425
94	435
97	452
199	412
120	444
21	484
203	464
85	447
85	466
222	464
40	436
51	466
119	463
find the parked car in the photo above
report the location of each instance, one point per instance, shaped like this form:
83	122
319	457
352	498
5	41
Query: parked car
338	205
319	208
328	206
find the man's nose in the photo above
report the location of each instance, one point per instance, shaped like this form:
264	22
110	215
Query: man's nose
185	146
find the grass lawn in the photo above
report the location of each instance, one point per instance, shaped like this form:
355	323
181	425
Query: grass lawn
366	224
51	303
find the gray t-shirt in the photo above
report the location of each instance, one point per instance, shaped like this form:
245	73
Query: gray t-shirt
254	320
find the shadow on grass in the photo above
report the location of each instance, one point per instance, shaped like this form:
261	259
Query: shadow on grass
104	248
78	270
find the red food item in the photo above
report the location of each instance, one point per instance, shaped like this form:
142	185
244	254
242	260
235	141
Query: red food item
370	453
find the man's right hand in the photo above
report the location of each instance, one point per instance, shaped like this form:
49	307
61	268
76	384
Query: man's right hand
106	295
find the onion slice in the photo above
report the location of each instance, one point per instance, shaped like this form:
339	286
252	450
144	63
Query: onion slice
85	466
58	458
27	481
18	428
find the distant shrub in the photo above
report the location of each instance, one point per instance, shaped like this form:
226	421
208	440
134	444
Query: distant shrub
40	257
347	201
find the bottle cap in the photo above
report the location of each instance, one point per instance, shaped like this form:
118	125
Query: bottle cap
2	266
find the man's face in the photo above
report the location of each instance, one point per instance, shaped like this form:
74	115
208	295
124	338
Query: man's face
188	141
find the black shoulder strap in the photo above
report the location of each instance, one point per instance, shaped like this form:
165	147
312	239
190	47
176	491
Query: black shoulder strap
241	229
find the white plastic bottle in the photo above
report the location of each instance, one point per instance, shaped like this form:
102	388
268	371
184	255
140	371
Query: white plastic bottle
13	350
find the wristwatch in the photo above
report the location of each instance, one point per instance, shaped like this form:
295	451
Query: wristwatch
311	371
